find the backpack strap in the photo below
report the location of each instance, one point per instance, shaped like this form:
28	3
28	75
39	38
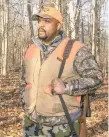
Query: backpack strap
65	56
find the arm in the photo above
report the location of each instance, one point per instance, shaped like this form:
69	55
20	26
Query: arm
89	72
22	86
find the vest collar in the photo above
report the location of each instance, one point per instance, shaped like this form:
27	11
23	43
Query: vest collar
54	43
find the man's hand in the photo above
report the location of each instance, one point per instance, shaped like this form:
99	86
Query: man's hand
58	86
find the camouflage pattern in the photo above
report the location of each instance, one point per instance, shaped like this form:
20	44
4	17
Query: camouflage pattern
91	77
31	129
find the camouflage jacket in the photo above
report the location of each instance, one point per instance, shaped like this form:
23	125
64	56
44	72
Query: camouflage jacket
84	64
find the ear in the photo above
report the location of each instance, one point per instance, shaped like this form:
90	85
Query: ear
59	26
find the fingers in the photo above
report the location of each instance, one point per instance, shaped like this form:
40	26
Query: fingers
58	86
57	82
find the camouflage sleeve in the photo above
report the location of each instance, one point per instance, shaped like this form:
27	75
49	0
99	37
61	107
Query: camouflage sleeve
89	72
22	86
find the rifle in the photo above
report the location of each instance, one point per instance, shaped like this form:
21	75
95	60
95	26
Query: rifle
88	111
85	105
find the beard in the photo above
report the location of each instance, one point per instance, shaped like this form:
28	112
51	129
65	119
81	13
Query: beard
42	34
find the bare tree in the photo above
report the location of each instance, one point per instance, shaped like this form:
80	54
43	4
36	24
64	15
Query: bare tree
77	19
4	34
21	28
30	17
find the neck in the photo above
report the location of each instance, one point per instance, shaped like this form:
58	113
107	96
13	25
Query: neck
49	40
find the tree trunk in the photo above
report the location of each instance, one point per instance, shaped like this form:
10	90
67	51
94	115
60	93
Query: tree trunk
72	22
30	17
77	20
94	27
4	16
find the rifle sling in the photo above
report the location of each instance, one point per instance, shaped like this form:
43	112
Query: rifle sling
65	56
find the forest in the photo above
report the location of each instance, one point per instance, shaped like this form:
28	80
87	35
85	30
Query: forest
83	20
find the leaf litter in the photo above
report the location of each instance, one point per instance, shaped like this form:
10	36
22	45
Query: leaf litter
11	114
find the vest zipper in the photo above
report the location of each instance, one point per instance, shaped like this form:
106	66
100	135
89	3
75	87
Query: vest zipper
39	79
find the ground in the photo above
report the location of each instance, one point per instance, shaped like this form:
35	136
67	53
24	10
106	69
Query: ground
11	113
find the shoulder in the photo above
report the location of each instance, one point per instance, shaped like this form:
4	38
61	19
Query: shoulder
84	51
78	44
32	48
83	54
76	47
31	51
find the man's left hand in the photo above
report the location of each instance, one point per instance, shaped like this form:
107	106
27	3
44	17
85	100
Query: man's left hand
58	86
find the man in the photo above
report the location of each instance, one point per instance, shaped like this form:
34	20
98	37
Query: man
44	113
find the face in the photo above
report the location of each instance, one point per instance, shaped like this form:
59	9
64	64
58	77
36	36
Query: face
47	28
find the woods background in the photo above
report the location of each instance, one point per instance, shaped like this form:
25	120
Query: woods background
84	20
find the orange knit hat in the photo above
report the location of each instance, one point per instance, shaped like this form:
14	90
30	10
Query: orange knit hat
49	12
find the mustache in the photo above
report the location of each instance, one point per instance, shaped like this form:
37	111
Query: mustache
41	29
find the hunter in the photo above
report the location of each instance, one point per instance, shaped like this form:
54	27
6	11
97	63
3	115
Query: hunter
41	86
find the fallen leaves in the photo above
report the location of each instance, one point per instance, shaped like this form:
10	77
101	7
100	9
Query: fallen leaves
11	115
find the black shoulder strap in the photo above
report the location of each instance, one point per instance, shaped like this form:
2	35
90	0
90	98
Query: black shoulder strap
65	56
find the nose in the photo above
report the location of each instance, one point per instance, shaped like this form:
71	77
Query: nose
41	24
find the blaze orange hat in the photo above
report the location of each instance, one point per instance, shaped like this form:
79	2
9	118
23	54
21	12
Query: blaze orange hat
48	12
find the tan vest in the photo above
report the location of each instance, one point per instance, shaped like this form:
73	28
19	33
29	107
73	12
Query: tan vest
38	76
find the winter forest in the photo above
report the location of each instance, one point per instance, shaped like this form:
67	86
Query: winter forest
84	20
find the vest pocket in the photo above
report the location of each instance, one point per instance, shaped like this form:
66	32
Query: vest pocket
29	98
57	107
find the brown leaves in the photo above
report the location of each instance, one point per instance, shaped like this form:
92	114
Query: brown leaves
10	122
11	115
97	123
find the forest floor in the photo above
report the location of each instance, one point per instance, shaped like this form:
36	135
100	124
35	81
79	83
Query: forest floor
11	113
